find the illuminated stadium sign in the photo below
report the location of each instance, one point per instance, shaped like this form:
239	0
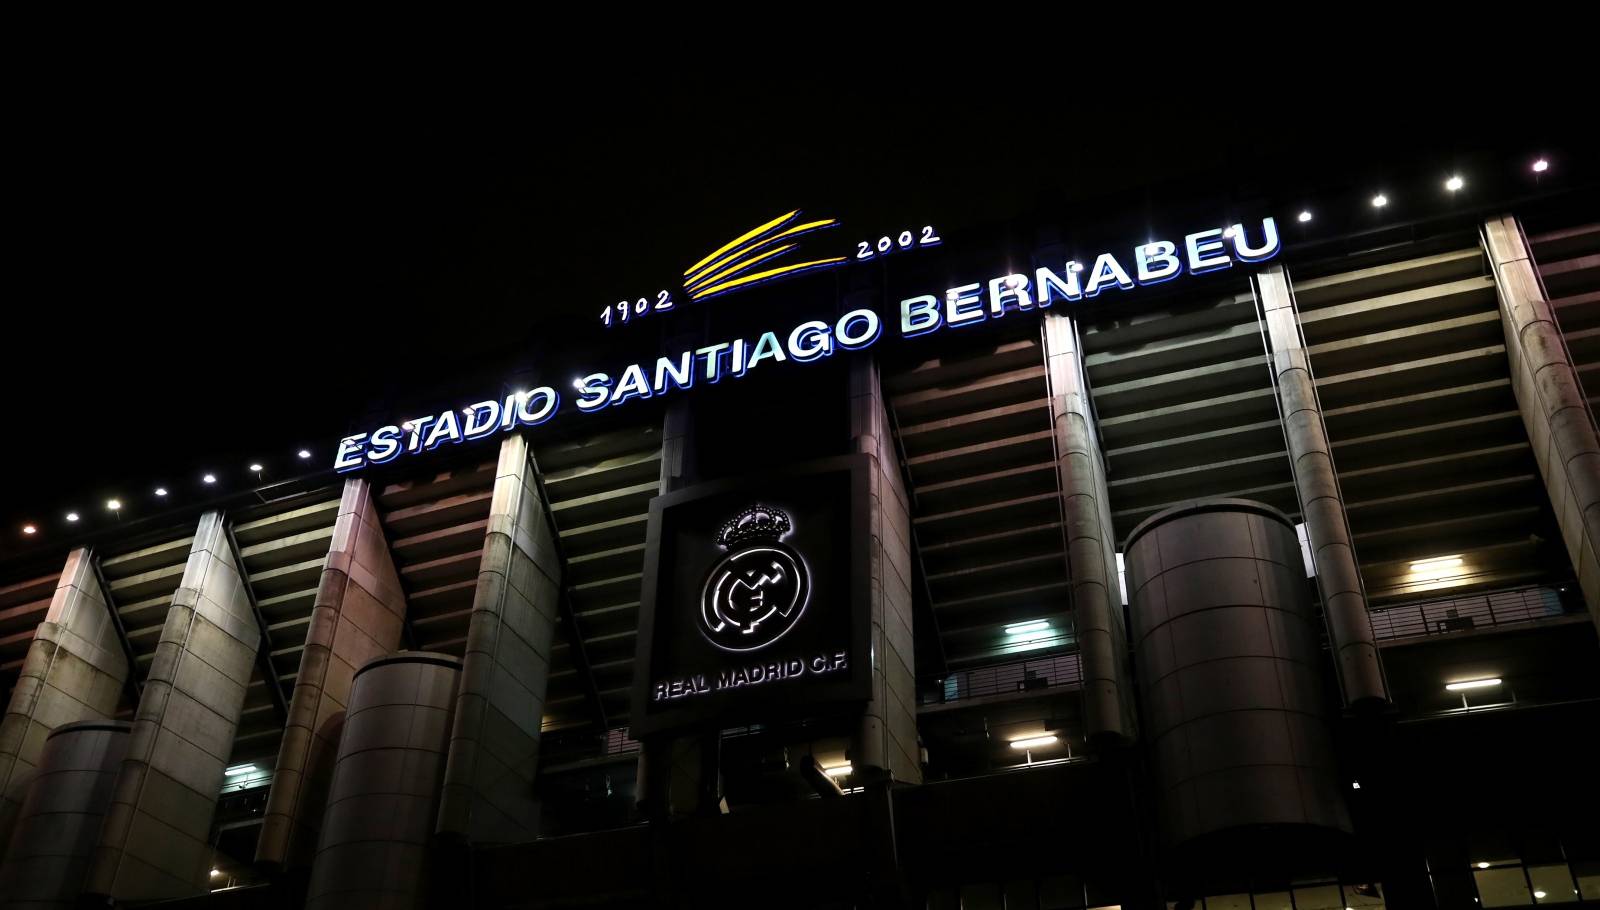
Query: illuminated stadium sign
812	340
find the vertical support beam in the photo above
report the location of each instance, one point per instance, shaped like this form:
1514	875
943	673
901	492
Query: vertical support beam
494	741
74	670
1316	484
357	616
679	775
886	743
1091	546
155	843
269	673
1557	417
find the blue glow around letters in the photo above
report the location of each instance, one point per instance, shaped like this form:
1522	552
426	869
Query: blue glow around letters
1155	262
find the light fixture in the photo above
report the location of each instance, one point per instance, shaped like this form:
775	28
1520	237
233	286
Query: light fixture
237	770
1355	785
1305	216
1540	166
72	516
304	453
1023	628
209	478
1538	895
256	468
1454	183
161	491
839	770
1466	684
215	872
113	504
1422	565
1074	266
1437	567
1483	865
1227	232
1033	742
1379	201
29	529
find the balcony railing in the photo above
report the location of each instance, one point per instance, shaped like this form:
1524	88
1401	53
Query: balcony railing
1460	614
1019	676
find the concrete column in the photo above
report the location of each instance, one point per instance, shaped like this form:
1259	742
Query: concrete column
681	775
494	744
61	815
155	842
1344	597
1229	668
1560	427
373	847
357	616
74	670
886	743
1091	544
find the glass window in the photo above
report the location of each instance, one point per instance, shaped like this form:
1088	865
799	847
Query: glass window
1588	875
1504	887
1366	896
1552	884
1318	897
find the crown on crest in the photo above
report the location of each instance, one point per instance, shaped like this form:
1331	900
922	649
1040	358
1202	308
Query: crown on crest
754	523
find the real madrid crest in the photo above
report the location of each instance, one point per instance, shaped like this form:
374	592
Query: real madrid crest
758	591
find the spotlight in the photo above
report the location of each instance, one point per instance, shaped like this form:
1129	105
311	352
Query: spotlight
1355	785
1074	266
1379	201
1227	232
1471	684
72	516
1033	742
1538	895
1540	166
1305	216
304	453
209	478
113	504
215	872
256	468
161	491
1483	865
1454	184
29	529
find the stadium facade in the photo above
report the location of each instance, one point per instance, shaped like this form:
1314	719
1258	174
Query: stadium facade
1064	566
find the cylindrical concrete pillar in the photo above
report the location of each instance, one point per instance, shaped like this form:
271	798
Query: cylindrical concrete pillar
384	798
59	823
1228	661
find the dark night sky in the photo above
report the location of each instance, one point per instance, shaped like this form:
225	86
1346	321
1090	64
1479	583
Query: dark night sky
210	270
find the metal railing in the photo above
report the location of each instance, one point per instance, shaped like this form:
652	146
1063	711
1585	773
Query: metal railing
1019	676
1461	614
573	746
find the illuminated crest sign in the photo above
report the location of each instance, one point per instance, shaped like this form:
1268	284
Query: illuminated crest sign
765	253
759	590
755	601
